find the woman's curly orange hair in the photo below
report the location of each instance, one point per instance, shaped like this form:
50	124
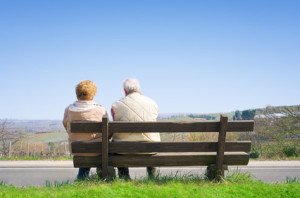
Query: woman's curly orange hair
86	90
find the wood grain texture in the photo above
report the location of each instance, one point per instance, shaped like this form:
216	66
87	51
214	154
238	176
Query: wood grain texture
86	127
240	126
220	153
162	160
125	127
104	147
146	147
164	127
221	147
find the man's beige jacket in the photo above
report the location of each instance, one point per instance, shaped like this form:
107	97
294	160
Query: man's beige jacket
135	108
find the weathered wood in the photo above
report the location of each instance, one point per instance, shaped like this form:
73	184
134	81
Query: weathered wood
210	172
240	126
136	127
165	127
104	147
202	159
86	127
221	147
217	154
146	147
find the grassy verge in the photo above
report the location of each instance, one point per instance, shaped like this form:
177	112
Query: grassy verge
276	158
71	158
278	150
24	158
237	185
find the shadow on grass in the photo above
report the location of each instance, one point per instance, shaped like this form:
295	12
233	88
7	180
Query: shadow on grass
235	177
291	180
58	183
2	183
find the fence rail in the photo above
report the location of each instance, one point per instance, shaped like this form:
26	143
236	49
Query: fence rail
38	149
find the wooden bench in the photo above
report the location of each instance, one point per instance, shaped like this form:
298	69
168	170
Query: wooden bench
213	154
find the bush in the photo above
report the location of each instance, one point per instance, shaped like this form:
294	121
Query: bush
254	154
290	151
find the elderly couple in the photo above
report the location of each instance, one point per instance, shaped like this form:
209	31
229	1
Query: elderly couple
133	107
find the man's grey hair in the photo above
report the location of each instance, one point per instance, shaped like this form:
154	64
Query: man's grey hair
131	85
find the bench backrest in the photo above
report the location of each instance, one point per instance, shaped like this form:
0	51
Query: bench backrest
237	152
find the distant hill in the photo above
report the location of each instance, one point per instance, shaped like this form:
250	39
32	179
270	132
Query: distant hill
46	137
34	126
279	109
237	115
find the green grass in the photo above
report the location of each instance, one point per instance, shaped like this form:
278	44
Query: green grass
272	150
46	137
236	185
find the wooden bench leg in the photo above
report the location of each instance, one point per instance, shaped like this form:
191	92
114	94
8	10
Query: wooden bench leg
221	148
104	156
212	174
99	172
152	172
111	172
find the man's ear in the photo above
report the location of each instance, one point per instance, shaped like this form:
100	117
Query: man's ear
125	92
112	113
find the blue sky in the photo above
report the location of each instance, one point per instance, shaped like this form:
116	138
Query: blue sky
190	56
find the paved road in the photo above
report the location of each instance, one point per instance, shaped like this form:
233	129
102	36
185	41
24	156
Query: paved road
37	173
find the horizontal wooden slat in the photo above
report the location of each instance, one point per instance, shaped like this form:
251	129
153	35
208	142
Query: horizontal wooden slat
136	127
86	127
240	126
147	147
162	160
125	127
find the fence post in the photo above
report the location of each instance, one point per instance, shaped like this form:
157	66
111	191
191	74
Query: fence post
104	147
34	150
9	151
65	146
49	150
221	147
21	147
27	148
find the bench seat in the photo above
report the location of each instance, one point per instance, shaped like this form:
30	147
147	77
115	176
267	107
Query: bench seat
215	155
163	159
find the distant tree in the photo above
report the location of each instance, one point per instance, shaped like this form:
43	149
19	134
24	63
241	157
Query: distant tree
51	146
237	115
248	114
7	137
191	115
204	116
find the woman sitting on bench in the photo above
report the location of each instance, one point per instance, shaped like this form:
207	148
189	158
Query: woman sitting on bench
84	109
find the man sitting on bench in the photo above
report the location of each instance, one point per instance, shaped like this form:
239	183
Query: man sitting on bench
135	107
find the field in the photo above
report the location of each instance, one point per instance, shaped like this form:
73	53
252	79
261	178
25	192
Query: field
41	145
46	137
275	138
234	186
